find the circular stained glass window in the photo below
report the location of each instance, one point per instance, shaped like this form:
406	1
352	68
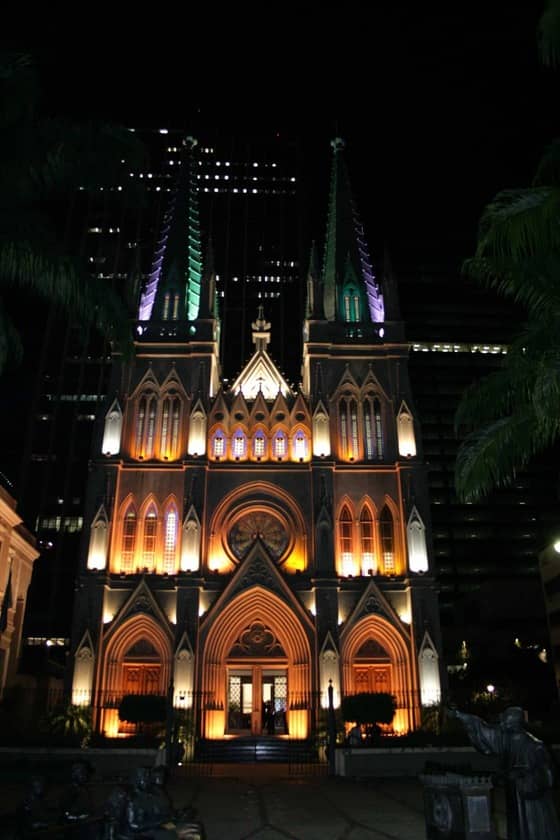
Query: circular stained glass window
258	526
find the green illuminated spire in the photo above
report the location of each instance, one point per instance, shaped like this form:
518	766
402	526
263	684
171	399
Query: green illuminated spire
177	268
350	291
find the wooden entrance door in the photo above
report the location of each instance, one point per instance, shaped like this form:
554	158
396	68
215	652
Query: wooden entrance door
141	678
372	678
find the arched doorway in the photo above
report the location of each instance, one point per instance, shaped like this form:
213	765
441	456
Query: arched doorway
137	660
376	656
256	669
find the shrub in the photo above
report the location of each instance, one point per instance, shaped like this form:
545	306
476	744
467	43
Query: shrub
369	708
143	708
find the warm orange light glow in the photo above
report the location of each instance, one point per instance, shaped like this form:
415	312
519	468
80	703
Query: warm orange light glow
215	723
220	562
110	722
298	723
295	562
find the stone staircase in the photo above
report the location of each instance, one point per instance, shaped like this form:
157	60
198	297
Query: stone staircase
244	750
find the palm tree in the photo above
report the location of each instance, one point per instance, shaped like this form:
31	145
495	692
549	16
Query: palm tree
514	413
43	161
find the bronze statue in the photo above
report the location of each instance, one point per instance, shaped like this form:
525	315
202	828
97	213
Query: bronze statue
527	768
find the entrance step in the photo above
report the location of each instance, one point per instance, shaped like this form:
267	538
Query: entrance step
249	750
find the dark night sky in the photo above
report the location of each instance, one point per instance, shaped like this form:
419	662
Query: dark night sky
441	107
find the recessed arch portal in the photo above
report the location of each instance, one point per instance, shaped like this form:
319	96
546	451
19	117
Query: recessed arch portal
375	641
137	633
292	652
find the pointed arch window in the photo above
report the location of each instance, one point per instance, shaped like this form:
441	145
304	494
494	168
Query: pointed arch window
197	432
387	540
169	437
259	444
239	444
149	541
219	444
190	559
345	524
351	301
165	427
166	300
150	426
280	445
348	416
301	447
378	427
175	307
366	542
170	540
128	541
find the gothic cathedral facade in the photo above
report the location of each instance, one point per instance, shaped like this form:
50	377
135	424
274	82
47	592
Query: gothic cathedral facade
249	547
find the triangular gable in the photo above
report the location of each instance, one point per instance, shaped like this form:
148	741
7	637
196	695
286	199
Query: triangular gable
260	407
173	380
219	406
300	407
329	645
373	602
261	374
86	643
239	407
257	569
371	382
428	644
346	380
184	646
141	600
148	379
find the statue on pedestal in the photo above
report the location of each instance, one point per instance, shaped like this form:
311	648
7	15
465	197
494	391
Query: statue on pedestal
527	768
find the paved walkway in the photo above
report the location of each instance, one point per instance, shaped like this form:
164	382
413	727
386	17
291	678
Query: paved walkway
265	802
262	807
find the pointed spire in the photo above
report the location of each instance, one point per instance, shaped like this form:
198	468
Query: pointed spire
314	303
173	288
347	262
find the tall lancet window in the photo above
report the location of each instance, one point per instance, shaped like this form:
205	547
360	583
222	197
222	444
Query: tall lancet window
164	438
378	427
150	426
345	524
166	301
405	432
280	445
149	539
176	300
387	539
366	542
239	444
128	541
351	301
349	438
170	540
140	425
175	426
300	445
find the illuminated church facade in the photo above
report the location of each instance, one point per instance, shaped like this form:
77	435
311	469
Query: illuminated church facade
249	546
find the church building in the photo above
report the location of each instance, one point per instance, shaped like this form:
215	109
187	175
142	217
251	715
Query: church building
248	546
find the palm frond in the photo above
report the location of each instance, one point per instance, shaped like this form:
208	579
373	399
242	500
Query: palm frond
492	456
520	222
549	34
64	281
496	395
533	282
